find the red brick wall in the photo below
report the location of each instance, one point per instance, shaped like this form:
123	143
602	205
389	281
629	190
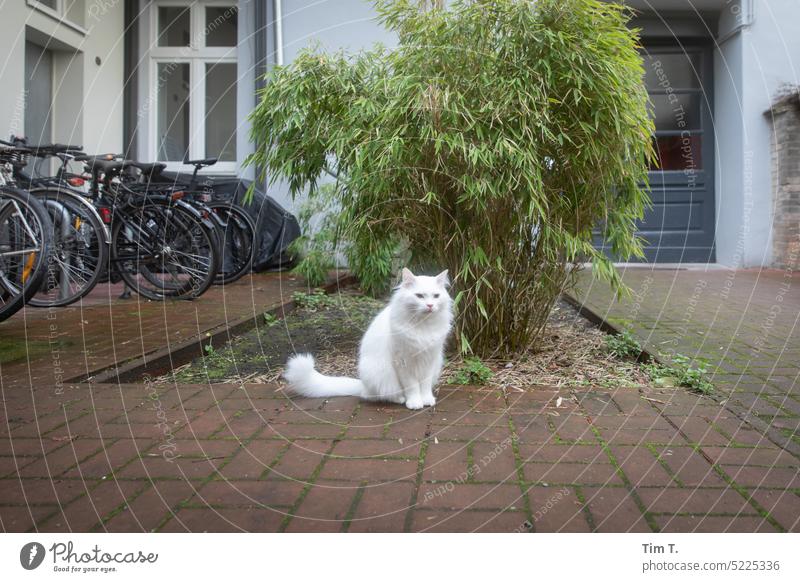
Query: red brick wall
785	116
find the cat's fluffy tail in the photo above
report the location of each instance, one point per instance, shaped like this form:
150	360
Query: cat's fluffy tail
306	381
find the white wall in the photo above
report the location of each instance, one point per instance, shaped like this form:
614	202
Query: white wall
751	65
245	84
333	24
771	59
103	83
87	96
732	222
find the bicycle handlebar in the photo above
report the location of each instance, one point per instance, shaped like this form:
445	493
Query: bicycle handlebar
41	150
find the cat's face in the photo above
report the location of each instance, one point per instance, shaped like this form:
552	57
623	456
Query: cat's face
423	295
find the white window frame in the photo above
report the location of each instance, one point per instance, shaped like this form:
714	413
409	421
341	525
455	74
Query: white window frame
197	55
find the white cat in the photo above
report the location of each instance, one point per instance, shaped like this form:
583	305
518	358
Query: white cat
401	355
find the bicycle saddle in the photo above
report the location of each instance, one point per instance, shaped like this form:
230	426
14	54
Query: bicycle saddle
99	157
96	165
203	162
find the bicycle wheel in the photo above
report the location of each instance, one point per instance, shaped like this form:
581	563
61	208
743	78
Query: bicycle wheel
80	252
238	243
163	251
25	242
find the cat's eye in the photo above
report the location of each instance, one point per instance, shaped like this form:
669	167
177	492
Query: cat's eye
420	295
436	296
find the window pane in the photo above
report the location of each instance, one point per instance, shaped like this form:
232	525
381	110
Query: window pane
679	153
173	111
221	111
221	24
174	25
675	70
676	112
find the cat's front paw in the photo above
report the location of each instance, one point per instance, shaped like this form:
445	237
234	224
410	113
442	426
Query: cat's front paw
429	400
414	403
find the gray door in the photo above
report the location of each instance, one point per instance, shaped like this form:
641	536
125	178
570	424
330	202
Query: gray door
679	228
38	94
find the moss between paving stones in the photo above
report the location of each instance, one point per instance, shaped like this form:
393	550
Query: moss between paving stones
12	349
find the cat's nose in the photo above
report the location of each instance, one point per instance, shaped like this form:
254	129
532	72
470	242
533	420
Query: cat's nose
430	306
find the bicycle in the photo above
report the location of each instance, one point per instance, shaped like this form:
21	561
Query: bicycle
25	240
236	229
161	246
81	247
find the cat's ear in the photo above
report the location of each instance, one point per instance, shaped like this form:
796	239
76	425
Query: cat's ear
408	278
443	279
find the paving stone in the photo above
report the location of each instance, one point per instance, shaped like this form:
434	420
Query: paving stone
713	524
748	456
383	507
370	449
300	460
271	492
57	462
470	432
614	510
88	511
468	521
572	473
533	429
370	470
253	460
39	491
18	519
324	509
149	509
251	519
567	453
467	495
191	460
689	467
111	456
784	506
641	467
557	509
693	500
780	477
446	462
494	462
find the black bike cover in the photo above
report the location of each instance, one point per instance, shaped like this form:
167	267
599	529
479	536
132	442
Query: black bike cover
275	227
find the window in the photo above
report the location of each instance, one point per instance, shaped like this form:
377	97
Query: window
672	78
193	78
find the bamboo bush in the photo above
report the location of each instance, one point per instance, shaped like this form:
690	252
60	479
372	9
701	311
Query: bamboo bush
491	141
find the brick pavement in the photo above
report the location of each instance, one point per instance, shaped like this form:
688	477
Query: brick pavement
245	458
144	457
746	323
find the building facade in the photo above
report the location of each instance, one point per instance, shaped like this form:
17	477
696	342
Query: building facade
166	79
